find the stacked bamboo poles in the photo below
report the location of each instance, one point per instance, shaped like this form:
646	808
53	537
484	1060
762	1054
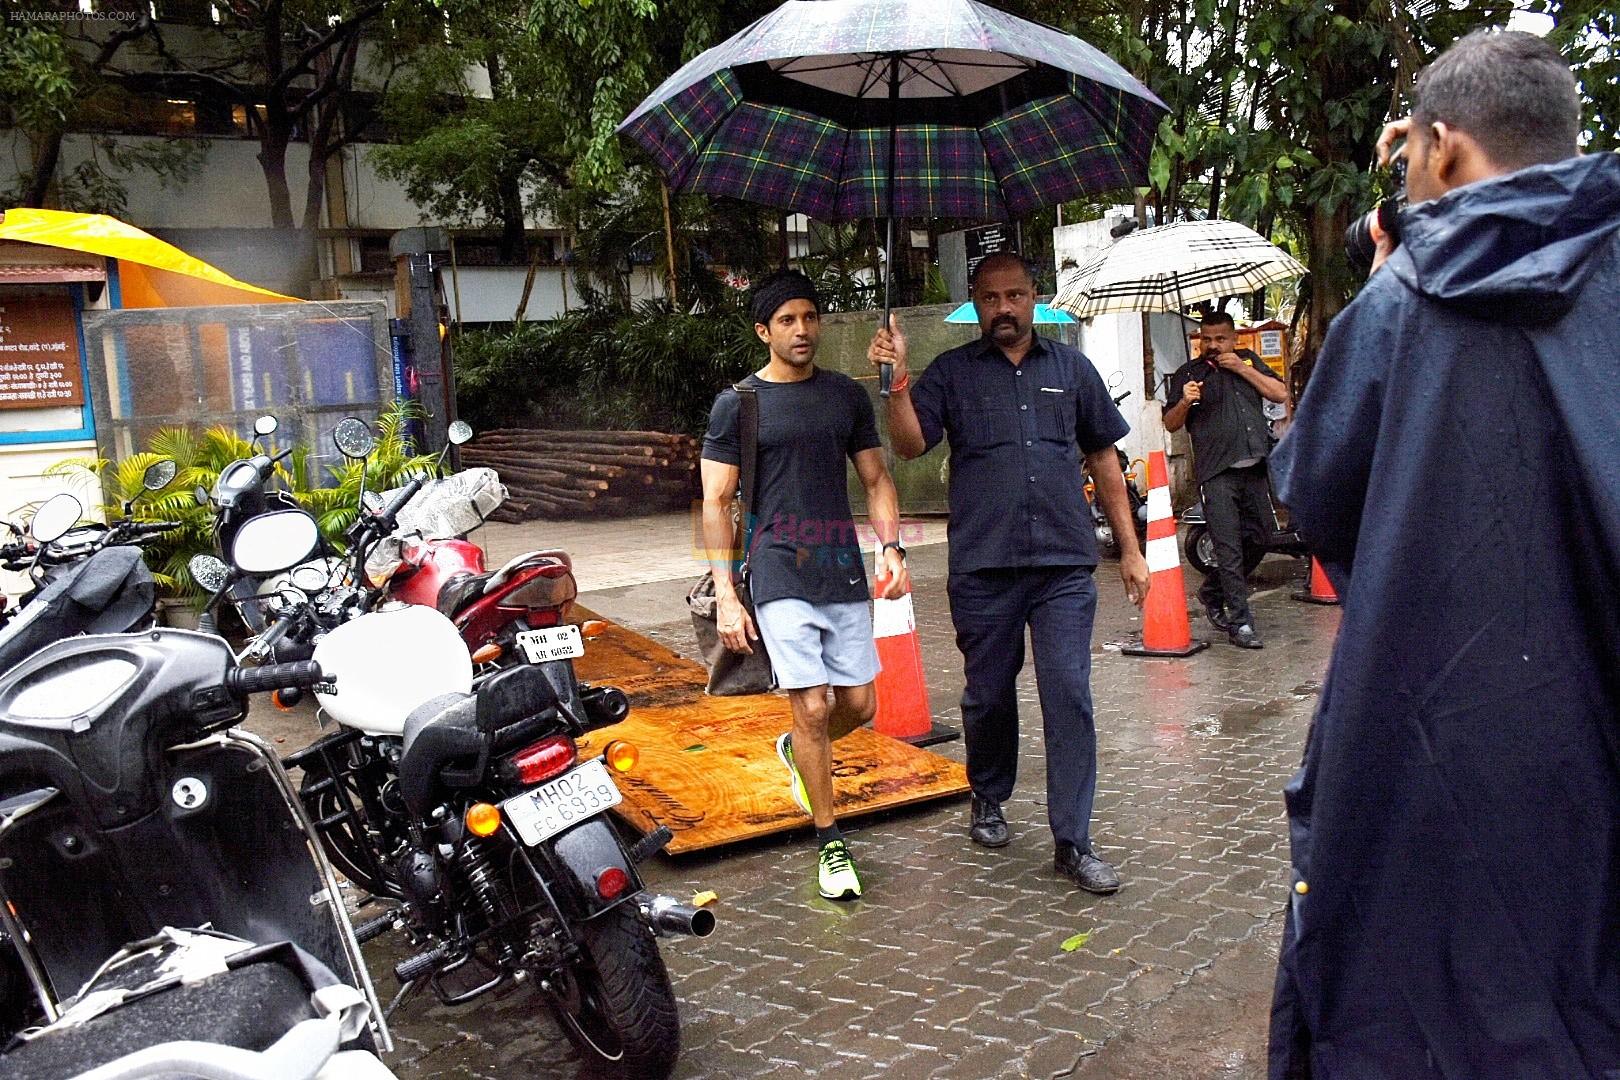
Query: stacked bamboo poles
570	474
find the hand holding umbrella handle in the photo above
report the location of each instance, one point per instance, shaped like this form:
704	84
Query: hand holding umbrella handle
885	379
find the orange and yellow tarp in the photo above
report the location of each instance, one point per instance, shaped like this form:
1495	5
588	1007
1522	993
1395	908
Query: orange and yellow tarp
151	273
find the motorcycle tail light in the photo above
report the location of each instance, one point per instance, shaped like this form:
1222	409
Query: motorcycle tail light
611	883
483	819
550	586
544	759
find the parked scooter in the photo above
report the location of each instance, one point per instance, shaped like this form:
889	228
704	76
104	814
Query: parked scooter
472	816
1200	546
1107	542
131	810
69	544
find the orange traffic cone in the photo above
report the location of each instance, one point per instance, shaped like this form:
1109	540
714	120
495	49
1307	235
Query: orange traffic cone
902	694
1318	589
1165	628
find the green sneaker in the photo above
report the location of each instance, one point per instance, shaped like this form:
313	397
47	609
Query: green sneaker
784	750
837	875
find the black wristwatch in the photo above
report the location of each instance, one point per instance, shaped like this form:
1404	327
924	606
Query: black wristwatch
893	544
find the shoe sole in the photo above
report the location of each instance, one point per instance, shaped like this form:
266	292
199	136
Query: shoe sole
794	780
847	894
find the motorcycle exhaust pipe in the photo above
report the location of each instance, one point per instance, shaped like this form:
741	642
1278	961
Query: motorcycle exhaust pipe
669	916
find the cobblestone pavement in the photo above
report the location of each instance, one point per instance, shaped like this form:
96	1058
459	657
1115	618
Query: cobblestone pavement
953	965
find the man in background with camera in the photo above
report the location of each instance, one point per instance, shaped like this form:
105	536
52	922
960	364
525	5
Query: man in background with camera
1455	889
1220	396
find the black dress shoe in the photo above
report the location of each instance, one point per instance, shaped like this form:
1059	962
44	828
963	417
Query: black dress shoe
1216	614
989	828
1085	870
1244	637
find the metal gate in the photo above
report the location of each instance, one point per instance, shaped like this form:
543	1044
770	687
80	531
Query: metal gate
307	364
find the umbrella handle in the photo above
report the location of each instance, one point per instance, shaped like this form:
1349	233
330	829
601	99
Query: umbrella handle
885	379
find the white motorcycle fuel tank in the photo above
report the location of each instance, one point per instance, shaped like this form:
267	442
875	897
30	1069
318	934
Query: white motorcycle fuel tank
388	662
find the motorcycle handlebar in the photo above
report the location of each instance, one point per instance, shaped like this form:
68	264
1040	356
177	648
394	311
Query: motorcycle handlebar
301	674
265	644
405	495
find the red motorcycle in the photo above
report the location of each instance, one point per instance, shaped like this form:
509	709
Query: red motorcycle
513	615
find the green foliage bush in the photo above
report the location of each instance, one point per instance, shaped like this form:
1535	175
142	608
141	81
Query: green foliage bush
647	369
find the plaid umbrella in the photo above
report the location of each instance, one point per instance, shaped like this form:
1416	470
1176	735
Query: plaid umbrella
847	109
1167	268
989	116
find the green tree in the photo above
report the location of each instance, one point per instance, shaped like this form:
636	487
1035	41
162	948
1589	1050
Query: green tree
48	74
1586	31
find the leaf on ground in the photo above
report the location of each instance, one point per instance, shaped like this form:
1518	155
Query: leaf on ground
694	748
1077	942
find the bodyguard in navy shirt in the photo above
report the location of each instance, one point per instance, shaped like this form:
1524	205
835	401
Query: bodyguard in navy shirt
1021	412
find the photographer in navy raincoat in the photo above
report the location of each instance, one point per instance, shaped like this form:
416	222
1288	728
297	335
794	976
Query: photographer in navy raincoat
1455	463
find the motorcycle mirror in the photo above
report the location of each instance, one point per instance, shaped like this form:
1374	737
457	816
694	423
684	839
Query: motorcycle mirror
271	543
200	493
460	432
353	438
209	573
265	425
1115	379
511	695
53	520
159	475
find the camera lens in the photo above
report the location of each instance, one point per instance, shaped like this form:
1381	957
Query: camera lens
1359	245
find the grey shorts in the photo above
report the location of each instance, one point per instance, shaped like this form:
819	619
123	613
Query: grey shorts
818	644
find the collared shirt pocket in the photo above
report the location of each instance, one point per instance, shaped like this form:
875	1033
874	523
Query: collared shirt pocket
985	423
1055	413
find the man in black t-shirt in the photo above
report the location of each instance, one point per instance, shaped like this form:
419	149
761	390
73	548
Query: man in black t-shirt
806	576
1220	398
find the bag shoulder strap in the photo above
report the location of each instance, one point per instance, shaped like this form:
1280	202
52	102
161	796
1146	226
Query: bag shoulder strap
748	433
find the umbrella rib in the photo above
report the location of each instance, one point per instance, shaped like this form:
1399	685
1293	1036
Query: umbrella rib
916	70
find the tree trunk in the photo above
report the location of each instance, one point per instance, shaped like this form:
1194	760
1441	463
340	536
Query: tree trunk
47	154
273	160
1329	285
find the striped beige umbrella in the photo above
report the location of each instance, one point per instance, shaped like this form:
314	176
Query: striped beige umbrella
1169	267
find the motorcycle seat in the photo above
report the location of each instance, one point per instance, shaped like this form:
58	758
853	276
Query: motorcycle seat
453	710
461	590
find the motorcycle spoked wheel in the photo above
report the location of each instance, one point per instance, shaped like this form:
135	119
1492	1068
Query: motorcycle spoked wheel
615	1004
1201	549
344	841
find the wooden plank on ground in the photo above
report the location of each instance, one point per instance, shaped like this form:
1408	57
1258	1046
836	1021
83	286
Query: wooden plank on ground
709	768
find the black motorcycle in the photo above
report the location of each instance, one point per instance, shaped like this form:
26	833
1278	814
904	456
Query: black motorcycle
130	807
470	816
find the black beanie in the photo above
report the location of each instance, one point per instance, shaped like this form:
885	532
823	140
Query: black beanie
777	289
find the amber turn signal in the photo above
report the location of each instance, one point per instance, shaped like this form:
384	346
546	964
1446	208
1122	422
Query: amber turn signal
591	629
486	654
621	756
483	819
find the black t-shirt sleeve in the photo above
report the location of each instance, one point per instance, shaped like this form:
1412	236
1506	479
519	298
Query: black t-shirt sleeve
863	433
1098	423
928	400
722	443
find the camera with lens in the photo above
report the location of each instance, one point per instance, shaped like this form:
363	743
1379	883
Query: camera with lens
1360	246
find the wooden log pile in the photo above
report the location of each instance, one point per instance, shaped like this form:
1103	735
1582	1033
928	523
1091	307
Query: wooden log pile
572	474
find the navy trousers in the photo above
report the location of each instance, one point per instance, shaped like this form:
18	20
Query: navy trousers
990	609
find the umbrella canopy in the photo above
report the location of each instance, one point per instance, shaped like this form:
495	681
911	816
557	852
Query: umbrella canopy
1169	267
847	109
1044	313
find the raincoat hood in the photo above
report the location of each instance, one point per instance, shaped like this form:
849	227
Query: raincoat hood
1514	249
